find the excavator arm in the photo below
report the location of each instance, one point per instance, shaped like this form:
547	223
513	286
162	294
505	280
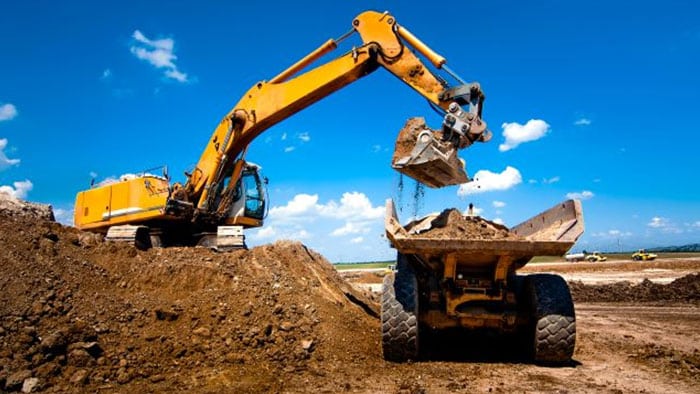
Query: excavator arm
385	44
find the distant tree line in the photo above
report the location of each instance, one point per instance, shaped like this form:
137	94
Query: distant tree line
684	248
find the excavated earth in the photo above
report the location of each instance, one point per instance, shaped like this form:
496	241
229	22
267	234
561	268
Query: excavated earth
451	224
81	315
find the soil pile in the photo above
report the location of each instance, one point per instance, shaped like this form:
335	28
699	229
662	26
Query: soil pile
450	223
78	314
685	289
10	205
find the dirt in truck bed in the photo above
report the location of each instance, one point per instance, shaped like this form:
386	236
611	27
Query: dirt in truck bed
81	315
450	224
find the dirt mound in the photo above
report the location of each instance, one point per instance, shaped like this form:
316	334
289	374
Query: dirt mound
450	223
10	205
685	289
77	314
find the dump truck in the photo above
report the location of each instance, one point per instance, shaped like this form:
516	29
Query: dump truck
460	271
224	193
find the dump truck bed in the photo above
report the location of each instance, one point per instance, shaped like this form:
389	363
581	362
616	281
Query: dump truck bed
550	233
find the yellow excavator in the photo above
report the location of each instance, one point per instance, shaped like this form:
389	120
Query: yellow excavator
225	193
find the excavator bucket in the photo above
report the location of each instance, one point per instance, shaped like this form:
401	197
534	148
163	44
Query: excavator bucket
420	154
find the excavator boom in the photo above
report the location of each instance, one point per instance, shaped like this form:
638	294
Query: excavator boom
385	44
223	189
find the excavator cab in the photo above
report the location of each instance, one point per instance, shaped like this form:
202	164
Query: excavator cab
249	206
255	190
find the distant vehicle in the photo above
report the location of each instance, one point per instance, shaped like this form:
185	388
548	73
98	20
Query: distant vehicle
596	257
643	255
592	257
574	257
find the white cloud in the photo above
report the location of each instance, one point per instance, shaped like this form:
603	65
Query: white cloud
355	210
584	195
304	137
7	111
614	233
516	134
499	221
582	122
485	181
63	216
300	205
4	160
532	181
696	224
664	224
112	179
299	234
329	226
498	204
354	206
266	232
658	222
351	228
274	232
284	136
551	180
159	53
475	211
176	75
289	149
376	148
18	189
106	74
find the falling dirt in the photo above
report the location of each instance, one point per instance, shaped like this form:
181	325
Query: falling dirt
418	195
81	315
399	191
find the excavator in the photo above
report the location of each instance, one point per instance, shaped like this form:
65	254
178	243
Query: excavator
225	193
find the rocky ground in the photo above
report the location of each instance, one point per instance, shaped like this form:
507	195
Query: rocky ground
81	315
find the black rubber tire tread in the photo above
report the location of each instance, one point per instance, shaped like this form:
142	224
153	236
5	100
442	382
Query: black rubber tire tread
400	314
553	327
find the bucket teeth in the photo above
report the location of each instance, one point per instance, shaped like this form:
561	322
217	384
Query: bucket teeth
420	155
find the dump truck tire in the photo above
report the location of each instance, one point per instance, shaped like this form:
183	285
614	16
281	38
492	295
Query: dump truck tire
400	314
553	327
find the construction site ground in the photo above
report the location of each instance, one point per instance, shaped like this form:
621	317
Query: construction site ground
81	315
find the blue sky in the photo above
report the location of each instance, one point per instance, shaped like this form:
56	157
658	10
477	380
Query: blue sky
592	99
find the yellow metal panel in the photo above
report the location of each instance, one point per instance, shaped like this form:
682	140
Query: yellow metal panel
91	205
130	201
